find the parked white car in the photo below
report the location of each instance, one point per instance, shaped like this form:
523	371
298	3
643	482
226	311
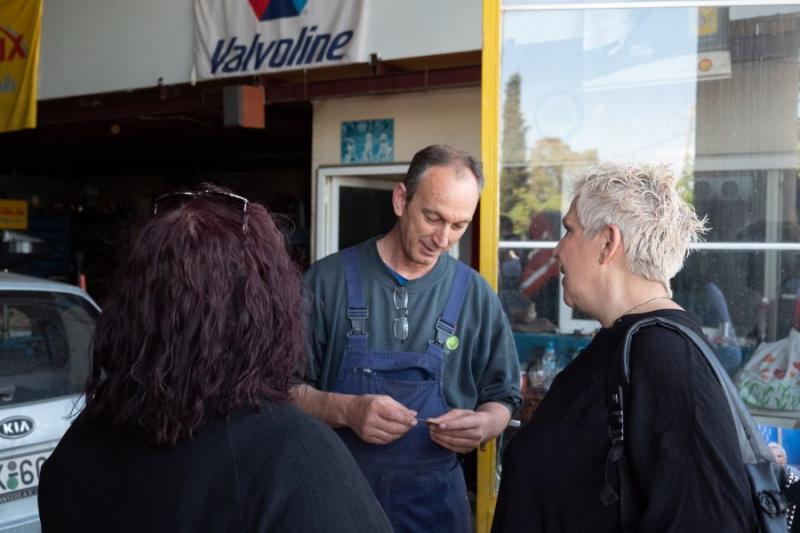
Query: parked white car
45	331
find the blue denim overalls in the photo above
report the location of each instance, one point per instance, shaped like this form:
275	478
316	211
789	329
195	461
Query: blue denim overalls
418	483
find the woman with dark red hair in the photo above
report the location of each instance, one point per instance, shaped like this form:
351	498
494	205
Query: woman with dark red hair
186	426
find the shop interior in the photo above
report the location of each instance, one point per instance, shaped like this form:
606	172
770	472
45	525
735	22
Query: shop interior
89	182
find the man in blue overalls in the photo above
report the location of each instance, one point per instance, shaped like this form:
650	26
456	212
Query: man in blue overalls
411	358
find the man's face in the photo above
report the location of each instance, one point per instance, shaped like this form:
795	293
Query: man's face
578	258
437	215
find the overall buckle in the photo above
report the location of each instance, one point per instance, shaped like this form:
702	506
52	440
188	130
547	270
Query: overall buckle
358	317
443	331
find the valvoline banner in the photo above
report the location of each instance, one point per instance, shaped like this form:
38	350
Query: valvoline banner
241	37
20	25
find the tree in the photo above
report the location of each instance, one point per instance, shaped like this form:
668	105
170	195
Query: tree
531	185
551	162
514	147
514	173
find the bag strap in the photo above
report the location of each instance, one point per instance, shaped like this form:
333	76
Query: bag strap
792	493
617	481
752	446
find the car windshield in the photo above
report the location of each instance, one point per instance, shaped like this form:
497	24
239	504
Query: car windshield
44	345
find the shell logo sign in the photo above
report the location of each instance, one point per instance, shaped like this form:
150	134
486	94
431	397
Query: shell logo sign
13	214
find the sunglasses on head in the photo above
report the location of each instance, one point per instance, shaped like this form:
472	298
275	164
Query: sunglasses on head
172	200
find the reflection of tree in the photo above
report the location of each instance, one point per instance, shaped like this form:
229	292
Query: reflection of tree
514	176
514	127
551	161
686	182
531	185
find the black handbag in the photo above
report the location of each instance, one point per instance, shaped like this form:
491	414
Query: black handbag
766	476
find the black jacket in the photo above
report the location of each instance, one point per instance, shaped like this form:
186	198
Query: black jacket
682	449
278	470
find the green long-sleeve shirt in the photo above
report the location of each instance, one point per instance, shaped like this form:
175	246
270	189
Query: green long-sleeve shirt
484	367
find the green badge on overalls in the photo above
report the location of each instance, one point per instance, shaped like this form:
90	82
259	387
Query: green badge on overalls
451	343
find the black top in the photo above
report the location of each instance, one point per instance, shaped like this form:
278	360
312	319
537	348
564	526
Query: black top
681	444
278	470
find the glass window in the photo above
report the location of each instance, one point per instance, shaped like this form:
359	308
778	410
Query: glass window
522	4
726	290
711	91
44	345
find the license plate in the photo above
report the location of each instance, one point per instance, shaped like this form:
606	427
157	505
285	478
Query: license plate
19	476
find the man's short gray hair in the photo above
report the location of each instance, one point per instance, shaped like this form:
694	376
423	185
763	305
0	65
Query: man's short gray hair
439	155
643	201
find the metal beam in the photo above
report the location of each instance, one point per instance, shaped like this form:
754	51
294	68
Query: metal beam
381	84
207	97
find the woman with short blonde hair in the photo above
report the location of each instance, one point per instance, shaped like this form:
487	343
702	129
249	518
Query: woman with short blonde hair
627	234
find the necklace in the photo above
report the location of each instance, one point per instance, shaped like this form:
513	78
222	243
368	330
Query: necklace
635	307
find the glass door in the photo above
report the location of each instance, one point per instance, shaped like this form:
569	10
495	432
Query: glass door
362	209
353	205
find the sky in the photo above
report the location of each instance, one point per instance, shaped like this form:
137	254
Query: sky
620	81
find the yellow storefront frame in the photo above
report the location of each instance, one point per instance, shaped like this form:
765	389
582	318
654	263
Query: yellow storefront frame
489	228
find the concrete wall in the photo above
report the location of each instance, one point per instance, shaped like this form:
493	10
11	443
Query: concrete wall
754	112
421	118
96	46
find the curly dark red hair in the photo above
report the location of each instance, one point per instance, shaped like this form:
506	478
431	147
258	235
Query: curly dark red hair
206	317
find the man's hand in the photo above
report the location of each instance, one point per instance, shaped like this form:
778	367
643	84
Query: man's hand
378	419
463	430
460	430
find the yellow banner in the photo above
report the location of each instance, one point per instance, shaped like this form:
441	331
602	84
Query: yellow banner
708	23
20	26
13	214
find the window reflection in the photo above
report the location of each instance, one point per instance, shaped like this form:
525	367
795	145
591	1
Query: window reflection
711	90
756	310
528	288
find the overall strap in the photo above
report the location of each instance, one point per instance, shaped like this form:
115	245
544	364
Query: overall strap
446	324
357	311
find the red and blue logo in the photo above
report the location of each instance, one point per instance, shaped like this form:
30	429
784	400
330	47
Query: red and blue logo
312	45
277	9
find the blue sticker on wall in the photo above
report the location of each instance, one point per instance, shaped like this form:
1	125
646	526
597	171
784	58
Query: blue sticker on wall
368	141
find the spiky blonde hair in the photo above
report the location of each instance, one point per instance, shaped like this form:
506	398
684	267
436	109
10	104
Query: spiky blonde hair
643	201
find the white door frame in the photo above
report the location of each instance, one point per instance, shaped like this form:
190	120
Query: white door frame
328	182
